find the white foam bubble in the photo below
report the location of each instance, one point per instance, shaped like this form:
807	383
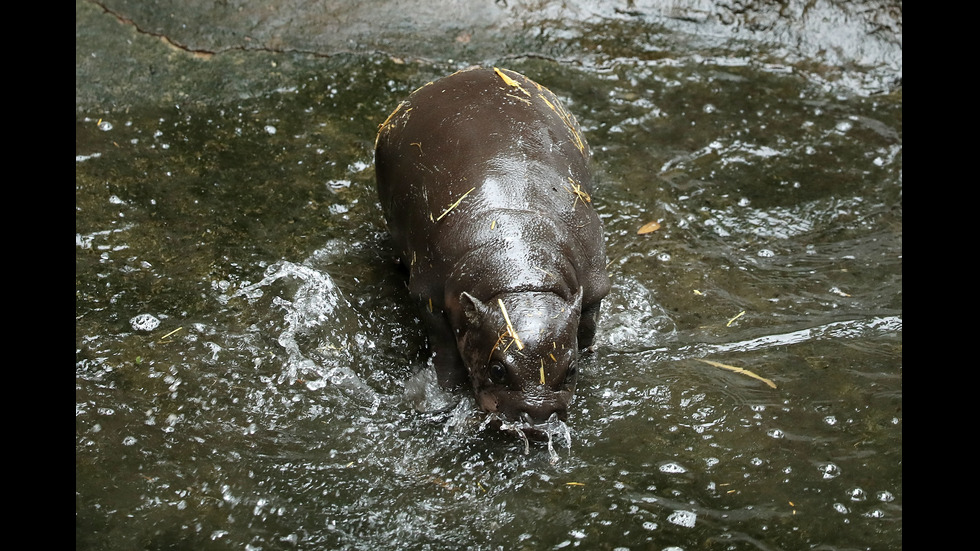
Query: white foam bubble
683	518
144	322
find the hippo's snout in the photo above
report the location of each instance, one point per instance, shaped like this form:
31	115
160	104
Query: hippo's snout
529	429
535	412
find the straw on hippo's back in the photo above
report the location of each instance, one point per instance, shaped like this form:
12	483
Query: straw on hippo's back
485	183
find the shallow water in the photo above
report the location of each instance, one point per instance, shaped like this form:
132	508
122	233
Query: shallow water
249	369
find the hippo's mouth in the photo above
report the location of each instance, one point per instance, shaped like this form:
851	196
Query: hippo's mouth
528	430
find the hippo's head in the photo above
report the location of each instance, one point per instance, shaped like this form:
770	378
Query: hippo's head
521	351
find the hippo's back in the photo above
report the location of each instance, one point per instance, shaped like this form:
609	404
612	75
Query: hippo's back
482	146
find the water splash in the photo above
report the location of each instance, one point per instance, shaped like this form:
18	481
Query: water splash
316	308
426	395
553	429
557	428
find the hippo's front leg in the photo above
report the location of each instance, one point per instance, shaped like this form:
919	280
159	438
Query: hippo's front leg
442	344
587	326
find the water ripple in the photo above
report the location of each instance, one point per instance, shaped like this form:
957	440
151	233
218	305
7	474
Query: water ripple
849	329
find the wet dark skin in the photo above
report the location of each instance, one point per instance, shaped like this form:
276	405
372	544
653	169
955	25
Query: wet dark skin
485	183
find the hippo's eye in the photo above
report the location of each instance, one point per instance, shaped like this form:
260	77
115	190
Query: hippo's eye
571	375
498	373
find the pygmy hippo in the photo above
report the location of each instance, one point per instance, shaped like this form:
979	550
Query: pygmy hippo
485	183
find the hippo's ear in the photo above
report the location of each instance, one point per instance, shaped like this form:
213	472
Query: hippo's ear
474	311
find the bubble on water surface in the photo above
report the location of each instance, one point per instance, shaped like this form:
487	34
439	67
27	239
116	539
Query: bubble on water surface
359	166
829	470
683	518
672	468
144	322
337	185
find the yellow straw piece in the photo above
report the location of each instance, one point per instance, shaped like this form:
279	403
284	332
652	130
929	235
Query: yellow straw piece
740	314
161	340
510	328
454	205
510	82
738	370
